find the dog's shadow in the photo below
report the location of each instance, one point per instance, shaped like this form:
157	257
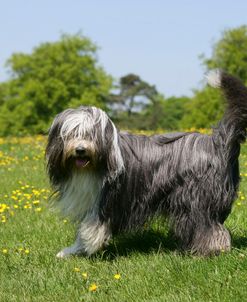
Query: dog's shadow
149	241
144	242
239	242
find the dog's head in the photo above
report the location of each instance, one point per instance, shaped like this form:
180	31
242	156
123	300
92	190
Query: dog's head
80	140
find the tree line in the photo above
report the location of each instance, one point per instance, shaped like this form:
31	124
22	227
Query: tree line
67	73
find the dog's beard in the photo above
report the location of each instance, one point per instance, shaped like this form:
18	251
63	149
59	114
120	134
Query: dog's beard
80	194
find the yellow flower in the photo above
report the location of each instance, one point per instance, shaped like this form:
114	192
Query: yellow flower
27	251
238	203
65	220
4	251
93	287
3	207
76	269
38	210
84	275
27	206
117	276
36	202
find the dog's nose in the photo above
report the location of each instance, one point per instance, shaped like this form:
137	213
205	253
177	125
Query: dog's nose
80	151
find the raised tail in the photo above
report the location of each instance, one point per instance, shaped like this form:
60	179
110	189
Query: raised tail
232	128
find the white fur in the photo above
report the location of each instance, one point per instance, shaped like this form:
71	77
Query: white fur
80	201
81	123
80	194
214	78
92	235
116	152
78	123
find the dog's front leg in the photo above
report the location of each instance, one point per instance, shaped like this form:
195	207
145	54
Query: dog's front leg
74	249
92	235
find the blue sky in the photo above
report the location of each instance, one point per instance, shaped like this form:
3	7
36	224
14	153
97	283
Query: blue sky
158	40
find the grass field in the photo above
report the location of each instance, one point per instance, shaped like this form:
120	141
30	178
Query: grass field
143	267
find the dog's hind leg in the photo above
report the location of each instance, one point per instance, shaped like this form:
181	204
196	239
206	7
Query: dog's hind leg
200	235
92	235
211	241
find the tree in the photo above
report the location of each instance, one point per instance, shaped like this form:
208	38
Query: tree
131	100
204	109
133	94
229	53
173	112
53	77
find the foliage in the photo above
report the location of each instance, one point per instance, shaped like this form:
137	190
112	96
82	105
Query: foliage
174	109
230	53
205	108
138	105
66	74
53	77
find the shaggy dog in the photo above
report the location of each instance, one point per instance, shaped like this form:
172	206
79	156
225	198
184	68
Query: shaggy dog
112	182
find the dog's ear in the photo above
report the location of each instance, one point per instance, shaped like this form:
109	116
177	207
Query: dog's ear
54	154
115	163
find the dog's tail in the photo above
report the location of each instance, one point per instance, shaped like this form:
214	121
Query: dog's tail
232	128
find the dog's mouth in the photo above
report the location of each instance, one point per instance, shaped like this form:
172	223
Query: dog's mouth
82	162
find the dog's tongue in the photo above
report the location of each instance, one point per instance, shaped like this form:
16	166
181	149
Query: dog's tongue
81	162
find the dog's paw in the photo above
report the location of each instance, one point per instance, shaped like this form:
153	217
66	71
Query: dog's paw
68	251
63	254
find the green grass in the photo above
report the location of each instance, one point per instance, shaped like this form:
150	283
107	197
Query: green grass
150	267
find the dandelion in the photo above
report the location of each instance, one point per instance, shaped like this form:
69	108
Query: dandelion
84	275
76	269
38	210
4	251
3	207
117	276
27	251
238	203
93	287
65	221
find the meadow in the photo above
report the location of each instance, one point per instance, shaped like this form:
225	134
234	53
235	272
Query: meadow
137	267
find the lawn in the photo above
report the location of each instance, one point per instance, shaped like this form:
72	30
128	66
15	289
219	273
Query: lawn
138	267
